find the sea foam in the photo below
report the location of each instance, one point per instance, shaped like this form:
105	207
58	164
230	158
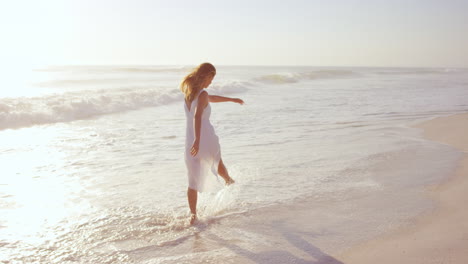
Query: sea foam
65	107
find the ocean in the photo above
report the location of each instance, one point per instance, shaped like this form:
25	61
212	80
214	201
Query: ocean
92	163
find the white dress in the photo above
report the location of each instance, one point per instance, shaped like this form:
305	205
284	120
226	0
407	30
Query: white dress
209	153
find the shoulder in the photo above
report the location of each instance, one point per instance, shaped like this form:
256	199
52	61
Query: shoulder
203	98
203	95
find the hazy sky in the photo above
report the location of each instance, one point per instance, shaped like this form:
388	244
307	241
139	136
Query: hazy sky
237	32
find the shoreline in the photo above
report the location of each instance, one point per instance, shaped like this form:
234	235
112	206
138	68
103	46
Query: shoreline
438	236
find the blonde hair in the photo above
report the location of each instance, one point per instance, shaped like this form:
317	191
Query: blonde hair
191	84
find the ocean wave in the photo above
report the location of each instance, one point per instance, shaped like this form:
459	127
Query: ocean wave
70	106
292	77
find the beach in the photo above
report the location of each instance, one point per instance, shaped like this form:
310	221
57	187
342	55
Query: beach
325	159
350	146
439	236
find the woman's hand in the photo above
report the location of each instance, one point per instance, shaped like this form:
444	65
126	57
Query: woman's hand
237	100
195	147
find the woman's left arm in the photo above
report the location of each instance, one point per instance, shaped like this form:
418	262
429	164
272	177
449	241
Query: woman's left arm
220	99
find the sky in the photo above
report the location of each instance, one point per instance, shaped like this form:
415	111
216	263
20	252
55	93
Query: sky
390	33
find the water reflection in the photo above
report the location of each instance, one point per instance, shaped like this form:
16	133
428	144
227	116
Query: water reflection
36	191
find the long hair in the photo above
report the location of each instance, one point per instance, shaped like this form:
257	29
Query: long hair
191	84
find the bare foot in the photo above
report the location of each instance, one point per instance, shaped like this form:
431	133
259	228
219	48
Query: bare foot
193	218
229	181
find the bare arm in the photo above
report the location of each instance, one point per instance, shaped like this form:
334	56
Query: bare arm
220	99
202	103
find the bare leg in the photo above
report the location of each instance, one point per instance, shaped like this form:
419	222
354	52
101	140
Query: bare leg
192	196
222	171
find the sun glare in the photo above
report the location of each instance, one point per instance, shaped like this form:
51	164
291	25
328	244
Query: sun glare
36	195
20	81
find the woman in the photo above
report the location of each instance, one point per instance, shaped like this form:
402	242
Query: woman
202	150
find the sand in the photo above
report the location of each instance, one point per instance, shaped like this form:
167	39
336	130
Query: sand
440	236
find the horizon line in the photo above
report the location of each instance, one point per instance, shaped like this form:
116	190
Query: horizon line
254	65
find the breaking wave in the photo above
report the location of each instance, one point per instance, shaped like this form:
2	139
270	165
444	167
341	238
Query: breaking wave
292	77
28	111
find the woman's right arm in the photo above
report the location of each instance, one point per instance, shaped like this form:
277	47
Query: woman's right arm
202	103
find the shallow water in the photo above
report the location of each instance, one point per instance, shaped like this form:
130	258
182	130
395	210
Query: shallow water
93	170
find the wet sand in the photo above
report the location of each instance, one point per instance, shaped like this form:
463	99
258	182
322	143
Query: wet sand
439	236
